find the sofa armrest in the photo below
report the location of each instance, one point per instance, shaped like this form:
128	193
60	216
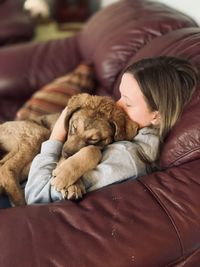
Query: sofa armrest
25	68
133	223
177	191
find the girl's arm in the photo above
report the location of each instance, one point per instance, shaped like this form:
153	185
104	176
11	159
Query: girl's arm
121	161
38	188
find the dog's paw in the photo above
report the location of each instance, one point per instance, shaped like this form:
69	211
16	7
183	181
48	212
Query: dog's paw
74	192
58	183
63	176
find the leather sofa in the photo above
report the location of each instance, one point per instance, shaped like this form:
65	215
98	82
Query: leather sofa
15	24
152	221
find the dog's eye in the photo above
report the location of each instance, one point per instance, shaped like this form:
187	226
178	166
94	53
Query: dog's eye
73	129
93	141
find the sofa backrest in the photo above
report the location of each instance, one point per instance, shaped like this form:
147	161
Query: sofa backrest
116	33
183	142
15	24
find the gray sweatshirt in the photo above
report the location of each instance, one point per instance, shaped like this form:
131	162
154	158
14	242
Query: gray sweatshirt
120	161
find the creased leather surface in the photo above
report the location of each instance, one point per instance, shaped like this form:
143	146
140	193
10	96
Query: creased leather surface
122	225
177	190
191	261
121	30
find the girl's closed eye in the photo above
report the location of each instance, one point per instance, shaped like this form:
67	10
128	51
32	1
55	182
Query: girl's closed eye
128	105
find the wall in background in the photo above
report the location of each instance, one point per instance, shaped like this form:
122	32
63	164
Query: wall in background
190	7
107	2
94	5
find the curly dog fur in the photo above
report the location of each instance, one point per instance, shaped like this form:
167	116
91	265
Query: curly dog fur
92	122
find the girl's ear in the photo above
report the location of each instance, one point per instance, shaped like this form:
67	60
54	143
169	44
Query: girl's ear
156	118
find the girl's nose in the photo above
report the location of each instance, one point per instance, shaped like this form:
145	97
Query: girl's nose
120	103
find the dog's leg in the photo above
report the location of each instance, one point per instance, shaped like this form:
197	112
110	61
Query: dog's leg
7	156
12	173
10	185
71	169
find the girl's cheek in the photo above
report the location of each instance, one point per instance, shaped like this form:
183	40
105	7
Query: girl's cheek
131	115
128	111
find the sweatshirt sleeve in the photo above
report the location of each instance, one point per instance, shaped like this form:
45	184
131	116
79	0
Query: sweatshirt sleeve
38	188
121	161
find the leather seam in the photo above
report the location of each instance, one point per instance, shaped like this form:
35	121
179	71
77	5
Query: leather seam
182	258
168	215
182	157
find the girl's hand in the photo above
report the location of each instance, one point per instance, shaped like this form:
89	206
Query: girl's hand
59	132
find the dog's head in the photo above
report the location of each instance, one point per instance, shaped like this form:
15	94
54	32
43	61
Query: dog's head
95	120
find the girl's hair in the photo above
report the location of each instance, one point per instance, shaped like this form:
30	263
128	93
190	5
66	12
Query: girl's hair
167	84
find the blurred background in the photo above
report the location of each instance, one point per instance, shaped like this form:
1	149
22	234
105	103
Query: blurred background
42	20
62	17
59	18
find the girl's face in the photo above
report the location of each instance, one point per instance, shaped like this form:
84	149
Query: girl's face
133	102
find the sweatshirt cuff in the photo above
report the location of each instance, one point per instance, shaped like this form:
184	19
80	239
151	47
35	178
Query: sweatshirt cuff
52	147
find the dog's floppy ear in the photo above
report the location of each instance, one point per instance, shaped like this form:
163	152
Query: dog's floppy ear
70	111
125	128
75	103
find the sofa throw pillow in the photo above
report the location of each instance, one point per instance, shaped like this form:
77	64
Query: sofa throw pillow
54	96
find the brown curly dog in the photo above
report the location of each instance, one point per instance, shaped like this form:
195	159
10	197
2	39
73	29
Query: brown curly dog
91	122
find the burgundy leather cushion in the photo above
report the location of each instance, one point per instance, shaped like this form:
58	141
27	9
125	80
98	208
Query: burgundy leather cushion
114	227
117	32
15	25
183	142
30	66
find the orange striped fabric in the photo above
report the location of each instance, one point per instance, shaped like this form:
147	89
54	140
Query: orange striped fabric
54	96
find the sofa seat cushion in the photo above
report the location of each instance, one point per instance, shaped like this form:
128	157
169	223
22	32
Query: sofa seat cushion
121	225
